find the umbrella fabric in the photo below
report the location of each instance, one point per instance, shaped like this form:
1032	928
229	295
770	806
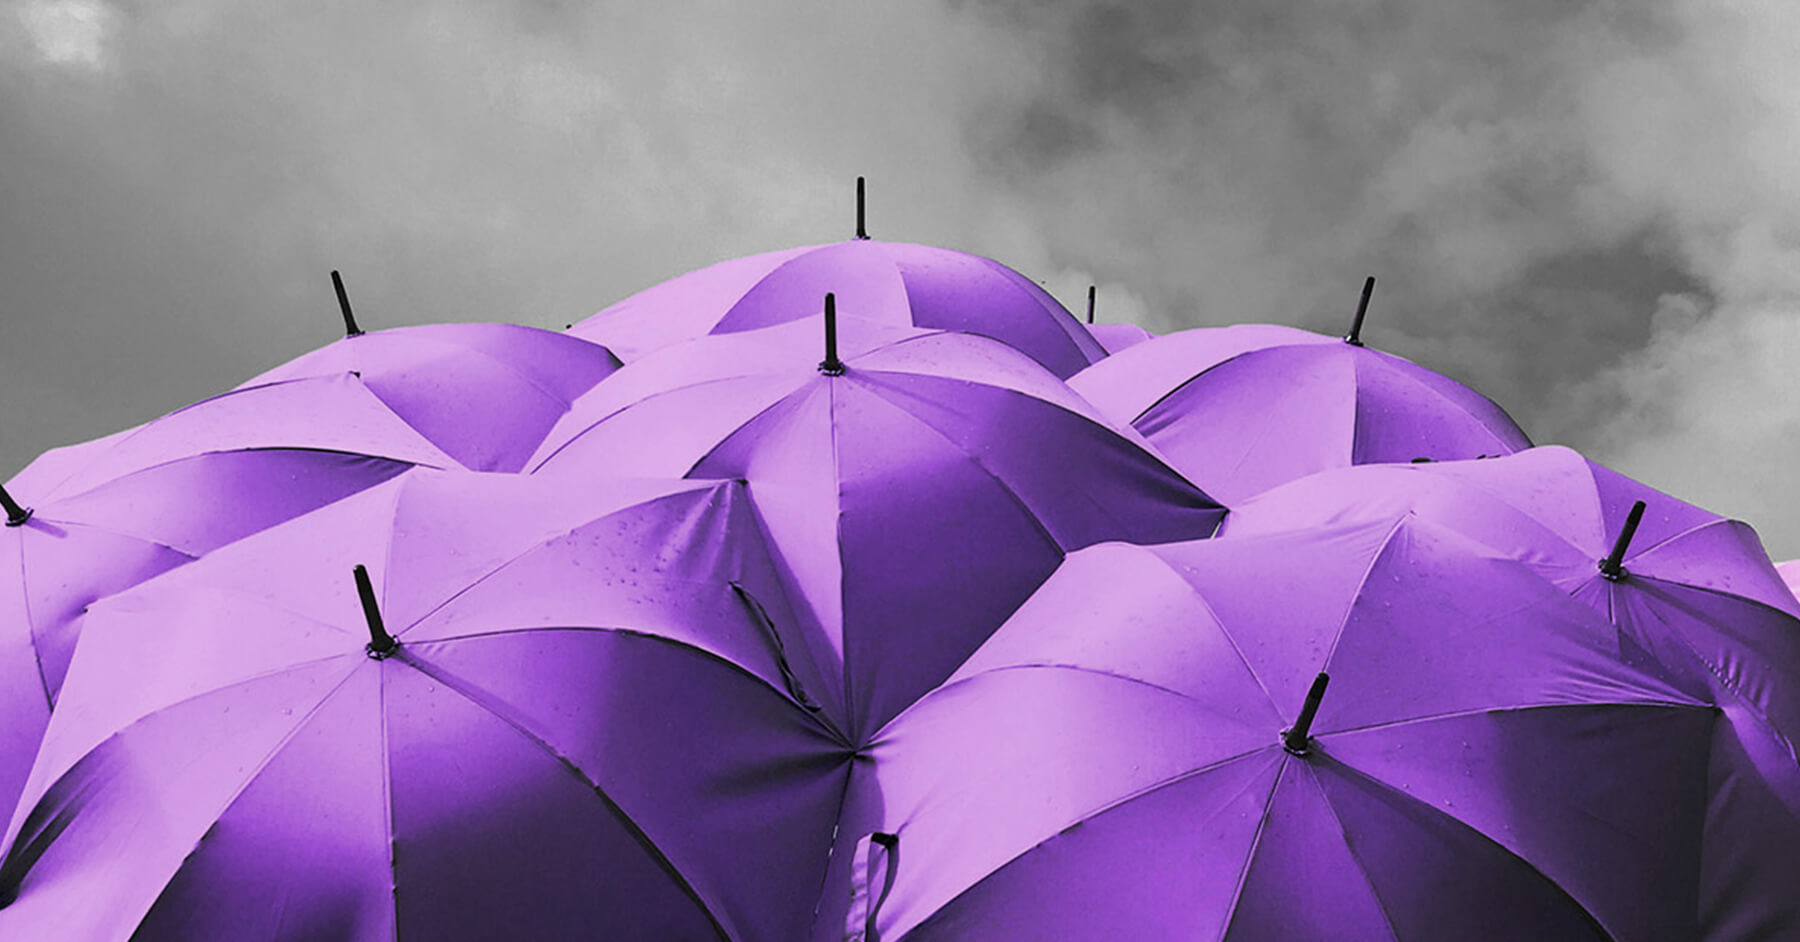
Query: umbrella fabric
895	283
1243	409
108	514
1790	575
915	499
586	729
1487	761
1697	593
484	393
1116	337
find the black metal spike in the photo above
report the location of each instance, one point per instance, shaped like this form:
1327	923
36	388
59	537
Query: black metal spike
1354	337
831	365
1297	738
1090	304
381	644
350	328
15	514
1612	566
862	231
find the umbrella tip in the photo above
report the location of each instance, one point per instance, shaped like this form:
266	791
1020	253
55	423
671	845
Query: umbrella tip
862	231
1297	739
1612	567
831	365
1090	304
15	514
381	644
350	328
1354	337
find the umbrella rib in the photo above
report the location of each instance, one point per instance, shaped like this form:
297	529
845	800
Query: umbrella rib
1515	708
684	387
1077	668
456	685
1362	868
1350	770
387	806
1262	825
37	657
255	772
1362	583
1479	422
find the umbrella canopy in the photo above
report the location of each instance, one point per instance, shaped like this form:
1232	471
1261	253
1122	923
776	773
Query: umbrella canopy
484	393
1116	337
895	283
917	490
1361	732
540	711
113	512
1243	409
1790	575
1692	589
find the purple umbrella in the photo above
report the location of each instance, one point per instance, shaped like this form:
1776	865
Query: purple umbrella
1113	337
484	393
892	282
1790	576
1693	590
1359	732
540	711
918	485
1243	409
90	520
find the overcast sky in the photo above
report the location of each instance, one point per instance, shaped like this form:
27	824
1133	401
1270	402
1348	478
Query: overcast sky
1588	211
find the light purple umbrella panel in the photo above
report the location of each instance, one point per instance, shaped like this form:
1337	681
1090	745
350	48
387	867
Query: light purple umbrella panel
1692	590
1242	409
454	706
917	484
1790	575
1357	732
484	393
90	520
896	283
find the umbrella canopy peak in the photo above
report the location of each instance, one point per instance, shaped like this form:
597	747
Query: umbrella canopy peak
1354	337
1297	739
381	644
350	328
1611	567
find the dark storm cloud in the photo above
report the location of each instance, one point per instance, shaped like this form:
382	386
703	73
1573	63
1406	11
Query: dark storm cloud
1566	203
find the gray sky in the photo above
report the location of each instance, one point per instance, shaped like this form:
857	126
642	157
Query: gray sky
1588	211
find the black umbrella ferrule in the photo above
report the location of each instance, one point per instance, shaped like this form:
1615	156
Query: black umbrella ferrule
1090	304
350	328
1297	739
1612	567
15	514
862	231
831	365
1354	337
381	644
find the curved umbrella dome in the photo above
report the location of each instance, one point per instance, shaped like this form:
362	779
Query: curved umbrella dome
915	499
580	729
484	393
1695	592
108	514
1245	408
896	283
1116	761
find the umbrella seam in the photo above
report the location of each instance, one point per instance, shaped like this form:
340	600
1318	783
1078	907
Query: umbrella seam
1361	584
1361	866
1047	666
387	807
643	633
456	685
1479	833
249	779
1262	824
456	465
673	390
1479	422
1516	708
